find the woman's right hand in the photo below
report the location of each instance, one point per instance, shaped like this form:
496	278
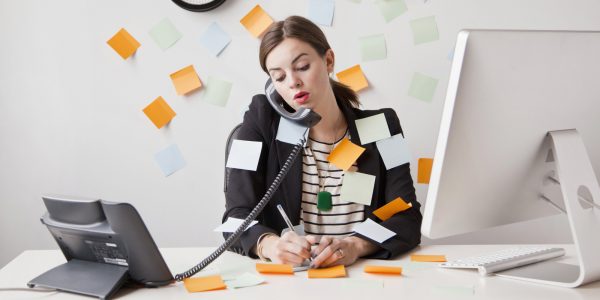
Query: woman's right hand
290	248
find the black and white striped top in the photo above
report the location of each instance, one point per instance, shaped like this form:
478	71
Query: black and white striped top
343	216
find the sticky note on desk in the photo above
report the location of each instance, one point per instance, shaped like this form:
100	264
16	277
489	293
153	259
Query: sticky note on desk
383	270
373	47
374	231
274	268
170	160
321	11
186	80
357	187
165	34
345	154
232	224
424	173
424	30
159	112
387	211
331	272
372	129
422	87
203	284
215	39
427	258
123	43
244	155
245	280
256	21
390	9
353	77
394	151
217	91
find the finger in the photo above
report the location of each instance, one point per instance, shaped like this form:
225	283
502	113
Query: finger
301	241
334	259
325	255
289	236
290	258
324	243
296	249
312	239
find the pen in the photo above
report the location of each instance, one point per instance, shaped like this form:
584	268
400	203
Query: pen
287	220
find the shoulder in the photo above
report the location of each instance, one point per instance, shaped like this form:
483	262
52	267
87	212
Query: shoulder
390	117
260	108
260	118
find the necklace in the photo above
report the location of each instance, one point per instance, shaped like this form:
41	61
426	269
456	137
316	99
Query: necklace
324	198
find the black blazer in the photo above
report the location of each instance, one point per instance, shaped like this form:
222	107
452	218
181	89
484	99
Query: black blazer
246	188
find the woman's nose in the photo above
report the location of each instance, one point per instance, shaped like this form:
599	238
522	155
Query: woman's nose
295	82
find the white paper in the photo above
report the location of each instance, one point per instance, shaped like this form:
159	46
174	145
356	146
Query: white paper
374	231
394	151
244	155
290	132
245	280
232	225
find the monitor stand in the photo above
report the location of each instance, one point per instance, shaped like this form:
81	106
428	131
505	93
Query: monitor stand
83	277
575	173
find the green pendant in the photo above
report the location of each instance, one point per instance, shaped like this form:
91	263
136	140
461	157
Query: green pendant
324	201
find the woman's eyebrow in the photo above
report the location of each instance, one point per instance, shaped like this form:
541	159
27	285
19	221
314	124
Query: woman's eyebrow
293	61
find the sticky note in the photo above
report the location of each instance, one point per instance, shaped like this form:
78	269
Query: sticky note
331	272
290	132
372	129
165	34
256	21
215	39
353	77
321	11
427	258
424	30
383	270
424	173
394	151
357	187
345	154
159	112
274	268
374	231
422	87
390	9
217	91
123	43
232	225
244	155
203	284
373	47
392	208
186	80
245	280
170	160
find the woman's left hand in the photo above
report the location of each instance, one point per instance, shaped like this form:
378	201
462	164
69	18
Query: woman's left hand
333	251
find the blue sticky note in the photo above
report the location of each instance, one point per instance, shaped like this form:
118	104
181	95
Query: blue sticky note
394	151
170	160
215	39
289	132
321	11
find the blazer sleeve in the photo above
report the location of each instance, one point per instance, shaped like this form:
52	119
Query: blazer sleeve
246	188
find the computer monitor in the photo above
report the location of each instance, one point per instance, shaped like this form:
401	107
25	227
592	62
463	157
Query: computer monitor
105	244
518	105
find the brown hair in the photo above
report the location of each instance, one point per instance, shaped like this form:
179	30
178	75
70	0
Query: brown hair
303	29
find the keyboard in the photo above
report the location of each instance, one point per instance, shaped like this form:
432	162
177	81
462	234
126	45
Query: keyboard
505	259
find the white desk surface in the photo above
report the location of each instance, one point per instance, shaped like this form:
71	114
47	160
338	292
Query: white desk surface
418	281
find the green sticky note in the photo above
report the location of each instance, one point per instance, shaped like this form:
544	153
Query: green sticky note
422	87
357	187
424	30
372	129
245	280
165	34
390	9
373	47
217	91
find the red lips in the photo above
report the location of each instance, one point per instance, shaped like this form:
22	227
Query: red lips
301	97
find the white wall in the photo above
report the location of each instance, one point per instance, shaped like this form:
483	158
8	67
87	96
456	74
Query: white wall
71	119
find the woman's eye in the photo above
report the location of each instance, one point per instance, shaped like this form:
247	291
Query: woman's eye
304	68
280	79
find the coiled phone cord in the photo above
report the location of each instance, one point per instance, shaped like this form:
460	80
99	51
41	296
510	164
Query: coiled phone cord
257	210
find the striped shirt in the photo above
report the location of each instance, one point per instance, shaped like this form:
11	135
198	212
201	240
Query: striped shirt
317	175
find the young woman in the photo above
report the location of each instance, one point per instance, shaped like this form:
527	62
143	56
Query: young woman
297	57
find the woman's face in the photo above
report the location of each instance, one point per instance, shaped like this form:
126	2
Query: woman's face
299	73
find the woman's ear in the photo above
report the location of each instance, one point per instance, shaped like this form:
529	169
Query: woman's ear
329	60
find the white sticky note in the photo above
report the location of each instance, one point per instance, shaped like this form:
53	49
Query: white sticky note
170	160
394	151
374	231
245	280
321	11
290	132
232	225
244	155
372	129
215	39
357	187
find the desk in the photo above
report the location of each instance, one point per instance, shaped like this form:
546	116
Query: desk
418	281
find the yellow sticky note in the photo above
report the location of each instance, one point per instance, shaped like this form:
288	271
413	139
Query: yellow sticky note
331	272
186	80
256	21
383	270
202	284
345	154
425	165
123	43
354	78
159	112
392	208
274	269
427	258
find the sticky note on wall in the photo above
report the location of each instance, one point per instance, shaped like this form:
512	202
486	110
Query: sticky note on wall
217	91
392	208
186	80
123	43
354	78
256	21
373	47
321	11
390	9
165	34
345	154
170	160
215	39
424	173
159	112
424	30
422	87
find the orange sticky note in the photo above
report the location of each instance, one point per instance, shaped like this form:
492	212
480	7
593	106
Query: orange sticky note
345	154
186	80
425	165
428	258
354	78
202	284
383	270
392	208
274	269
123	43
256	21
159	112
331	272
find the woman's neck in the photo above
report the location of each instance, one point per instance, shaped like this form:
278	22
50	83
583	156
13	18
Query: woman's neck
333	123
